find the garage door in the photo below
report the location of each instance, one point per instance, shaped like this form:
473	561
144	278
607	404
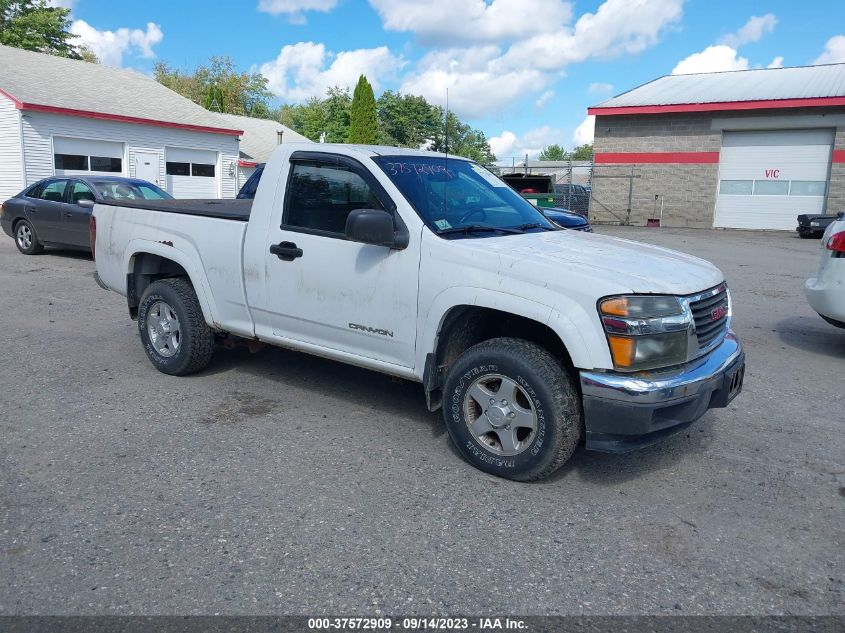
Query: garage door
86	157
191	173
766	179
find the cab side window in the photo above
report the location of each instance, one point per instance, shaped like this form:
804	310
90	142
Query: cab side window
320	197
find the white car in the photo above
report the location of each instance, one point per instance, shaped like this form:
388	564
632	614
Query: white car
531	339
826	291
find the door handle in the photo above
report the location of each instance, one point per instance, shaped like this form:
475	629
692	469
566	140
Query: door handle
286	251
68	214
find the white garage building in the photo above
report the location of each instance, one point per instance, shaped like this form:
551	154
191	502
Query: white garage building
260	137
63	117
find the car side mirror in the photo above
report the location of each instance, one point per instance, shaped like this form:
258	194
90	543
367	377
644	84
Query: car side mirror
376	227
86	204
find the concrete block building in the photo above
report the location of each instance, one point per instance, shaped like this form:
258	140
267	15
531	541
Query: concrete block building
747	149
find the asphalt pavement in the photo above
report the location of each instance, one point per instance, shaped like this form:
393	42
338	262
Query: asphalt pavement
279	483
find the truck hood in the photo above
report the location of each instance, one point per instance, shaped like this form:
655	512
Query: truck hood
610	265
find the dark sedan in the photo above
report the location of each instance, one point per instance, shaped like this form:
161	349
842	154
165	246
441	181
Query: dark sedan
56	211
815	225
567	219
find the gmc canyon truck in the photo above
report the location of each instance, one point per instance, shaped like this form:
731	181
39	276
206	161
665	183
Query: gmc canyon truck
530	338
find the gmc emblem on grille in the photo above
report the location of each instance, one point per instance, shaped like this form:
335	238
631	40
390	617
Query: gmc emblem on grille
719	312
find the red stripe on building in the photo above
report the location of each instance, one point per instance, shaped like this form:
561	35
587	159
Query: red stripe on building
628	158
36	107
17	103
769	104
247	163
839	156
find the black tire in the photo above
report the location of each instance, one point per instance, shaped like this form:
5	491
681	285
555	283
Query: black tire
196	345
35	245
553	394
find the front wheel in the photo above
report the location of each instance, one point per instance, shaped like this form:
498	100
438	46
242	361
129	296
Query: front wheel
26	239
173	330
512	409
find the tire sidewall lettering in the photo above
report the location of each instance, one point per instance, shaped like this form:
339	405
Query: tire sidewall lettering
472	446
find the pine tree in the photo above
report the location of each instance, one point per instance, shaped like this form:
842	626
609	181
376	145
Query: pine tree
363	119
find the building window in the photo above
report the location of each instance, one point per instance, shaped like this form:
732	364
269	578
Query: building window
736	187
106	163
70	161
178	169
199	169
771	187
808	188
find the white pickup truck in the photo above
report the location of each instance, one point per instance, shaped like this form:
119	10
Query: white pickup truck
531	338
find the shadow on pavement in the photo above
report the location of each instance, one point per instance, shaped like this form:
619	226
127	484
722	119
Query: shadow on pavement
812	335
405	400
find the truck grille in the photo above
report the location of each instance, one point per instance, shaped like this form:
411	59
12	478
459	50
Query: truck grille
710	311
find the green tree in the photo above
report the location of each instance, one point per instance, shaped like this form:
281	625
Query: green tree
462	140
36	26
553	152
363	118
582	152
406	120
87	55
219	86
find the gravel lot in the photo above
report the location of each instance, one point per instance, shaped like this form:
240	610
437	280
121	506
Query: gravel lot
278	483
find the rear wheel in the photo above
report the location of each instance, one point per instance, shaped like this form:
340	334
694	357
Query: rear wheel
173	330
26	239
512	409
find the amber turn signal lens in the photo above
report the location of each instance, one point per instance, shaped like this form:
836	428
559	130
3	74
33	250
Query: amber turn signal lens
616	307
622	350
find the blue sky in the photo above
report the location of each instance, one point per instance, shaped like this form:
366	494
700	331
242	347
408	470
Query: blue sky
524	71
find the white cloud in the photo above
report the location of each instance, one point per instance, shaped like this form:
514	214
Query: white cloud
834	51
717	58
482	79
294	9
777	62
510	148
306	69
752	31
544	98
618	27
61	4
585	132
463	21
599	88
111	46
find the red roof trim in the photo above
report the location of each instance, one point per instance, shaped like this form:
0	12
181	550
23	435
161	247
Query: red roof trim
627	158
247	163
839	156
35	107
17	103
815	102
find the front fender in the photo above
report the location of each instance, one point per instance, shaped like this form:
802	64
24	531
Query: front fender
565	320
184	254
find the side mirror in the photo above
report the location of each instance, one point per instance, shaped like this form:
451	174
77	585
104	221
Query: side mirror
86	204
374	226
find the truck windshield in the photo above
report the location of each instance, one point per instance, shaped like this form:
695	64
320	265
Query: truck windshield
458	198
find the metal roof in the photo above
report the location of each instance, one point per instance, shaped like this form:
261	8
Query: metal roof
804	85
260	136
37	81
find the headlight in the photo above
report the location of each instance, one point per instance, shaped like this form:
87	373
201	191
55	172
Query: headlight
646	331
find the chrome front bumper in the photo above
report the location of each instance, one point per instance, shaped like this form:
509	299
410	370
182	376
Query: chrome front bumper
624	412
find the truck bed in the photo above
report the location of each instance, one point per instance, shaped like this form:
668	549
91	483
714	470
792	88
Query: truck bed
229	209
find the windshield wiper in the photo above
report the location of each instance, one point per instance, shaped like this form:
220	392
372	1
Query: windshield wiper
533	225
477	228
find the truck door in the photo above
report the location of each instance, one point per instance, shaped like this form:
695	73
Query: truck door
326	290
